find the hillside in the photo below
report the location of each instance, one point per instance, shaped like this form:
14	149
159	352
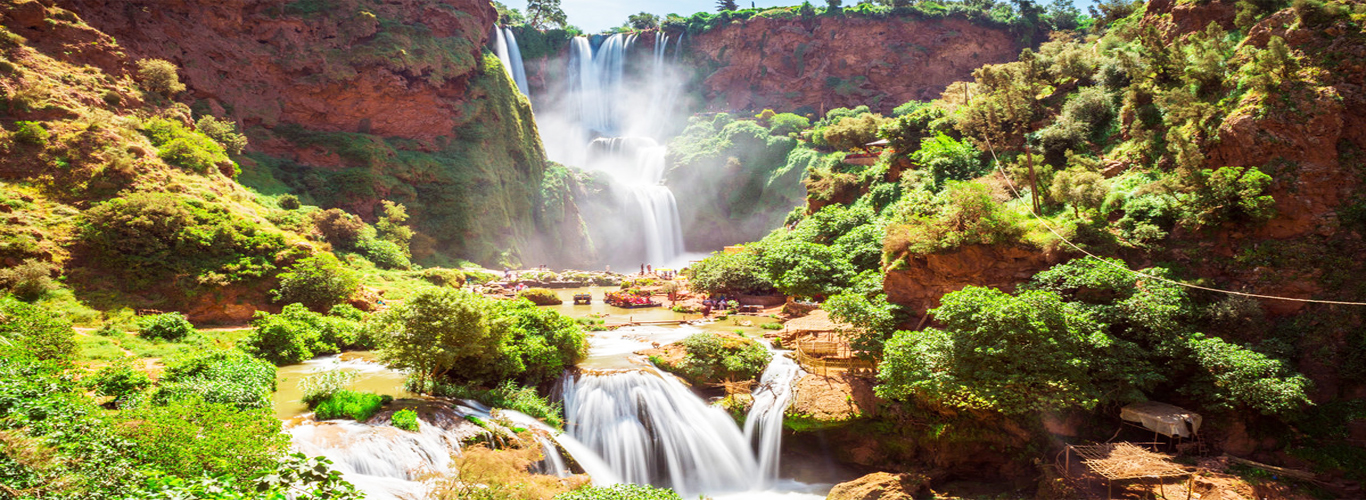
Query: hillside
350	103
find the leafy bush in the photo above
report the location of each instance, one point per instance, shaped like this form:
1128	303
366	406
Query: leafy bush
223	376
1246	378
405	419
318	282
444	277
320	386
803	269
30	280
186	148
730	274
225	133
949	160
1229	194
712	358
358	406
787	123
965	215
159	76
442	332
119	380
155	237
341	229
30	331
853	132
170	326
191	438
619	492
289	202
772	326
541	296
298	334
385	254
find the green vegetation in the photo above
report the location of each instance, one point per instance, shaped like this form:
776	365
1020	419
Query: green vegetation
188	149
298	334
405	419
159	76
541	296
507	395
619	492
169	326
441	333
358	406
217	375
318	282
713	358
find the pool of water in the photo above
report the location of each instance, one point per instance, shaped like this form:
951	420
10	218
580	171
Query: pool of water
370	376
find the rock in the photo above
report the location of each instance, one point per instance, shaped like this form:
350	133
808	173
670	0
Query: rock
928	278
882	486
831	62
28	14
835	398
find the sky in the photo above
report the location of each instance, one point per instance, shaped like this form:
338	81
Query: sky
599	15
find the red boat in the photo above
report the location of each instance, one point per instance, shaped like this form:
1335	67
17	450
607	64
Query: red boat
629	300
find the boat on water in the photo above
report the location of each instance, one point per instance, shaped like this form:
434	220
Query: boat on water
629	300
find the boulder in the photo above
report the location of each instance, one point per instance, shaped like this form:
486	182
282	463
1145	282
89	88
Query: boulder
882	486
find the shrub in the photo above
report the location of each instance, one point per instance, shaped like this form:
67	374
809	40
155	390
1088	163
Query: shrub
385	254
949	160
153	237
193	438
405	419
289	202
318	282
119	380
31	133
30	280
541	296
298	334
185	148
1229	194
854	132
320	386
787	123
224	132
712	358
172	327
444	277
30	331
966	215
804	269
619	492
159	76
772	326
214	375
358	406
341	229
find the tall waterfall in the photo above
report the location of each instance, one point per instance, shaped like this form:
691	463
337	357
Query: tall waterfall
615	122
505	47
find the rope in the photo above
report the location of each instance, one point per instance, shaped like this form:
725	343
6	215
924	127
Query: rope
1108	262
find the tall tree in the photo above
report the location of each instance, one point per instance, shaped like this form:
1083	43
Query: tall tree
546	14
725	5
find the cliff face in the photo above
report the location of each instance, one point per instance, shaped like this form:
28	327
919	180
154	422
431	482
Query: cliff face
826	63
355	101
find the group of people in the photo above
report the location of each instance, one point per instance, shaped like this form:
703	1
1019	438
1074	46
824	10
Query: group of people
646	269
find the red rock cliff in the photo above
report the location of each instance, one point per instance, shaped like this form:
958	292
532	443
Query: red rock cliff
831	62
396	68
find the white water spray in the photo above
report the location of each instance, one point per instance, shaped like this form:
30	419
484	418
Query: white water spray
764	425
505	47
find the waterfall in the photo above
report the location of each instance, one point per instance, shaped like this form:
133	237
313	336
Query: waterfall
505	47
651	429
515	60
764	425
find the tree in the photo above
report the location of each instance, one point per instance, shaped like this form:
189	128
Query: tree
341	229
1080	188
726	5
508	16
730	274
1229	194
318	282
545	14
643	21
432	331
864	306
834	5
159	76
803	269
948	159
224	132
27	331
392	227
1016	355
854	132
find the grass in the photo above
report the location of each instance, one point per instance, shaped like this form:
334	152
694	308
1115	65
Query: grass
358	406
98	348
406	420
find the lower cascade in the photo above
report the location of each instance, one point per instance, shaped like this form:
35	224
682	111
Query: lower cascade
651	429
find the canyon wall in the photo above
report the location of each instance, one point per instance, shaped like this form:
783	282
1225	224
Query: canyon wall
831	62
355	101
